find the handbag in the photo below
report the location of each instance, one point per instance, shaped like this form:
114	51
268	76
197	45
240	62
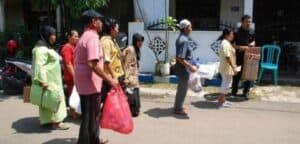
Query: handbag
44	98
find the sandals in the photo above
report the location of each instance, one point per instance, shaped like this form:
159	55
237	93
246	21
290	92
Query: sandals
73	113
104	141
61	126
181	112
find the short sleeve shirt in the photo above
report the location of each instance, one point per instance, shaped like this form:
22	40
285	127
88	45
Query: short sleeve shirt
67	53
183	50
87	49
112	55
226	50
243	38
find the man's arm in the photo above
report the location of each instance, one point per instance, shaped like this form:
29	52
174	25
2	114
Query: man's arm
70	69
93	64
107	48
181	55
228	59
184	62
109	68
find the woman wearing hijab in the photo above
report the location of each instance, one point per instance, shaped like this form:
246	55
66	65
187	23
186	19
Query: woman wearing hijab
47	76
131	57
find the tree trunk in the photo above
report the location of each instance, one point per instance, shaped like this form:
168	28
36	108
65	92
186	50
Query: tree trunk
63	22
49	12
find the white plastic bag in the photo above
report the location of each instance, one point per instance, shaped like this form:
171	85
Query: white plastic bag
194	82
74	101
209	70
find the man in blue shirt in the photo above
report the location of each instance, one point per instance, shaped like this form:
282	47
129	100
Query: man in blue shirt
183	65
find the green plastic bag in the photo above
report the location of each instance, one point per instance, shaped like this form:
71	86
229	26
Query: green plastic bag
48	99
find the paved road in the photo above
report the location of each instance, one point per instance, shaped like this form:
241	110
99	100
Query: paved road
244	123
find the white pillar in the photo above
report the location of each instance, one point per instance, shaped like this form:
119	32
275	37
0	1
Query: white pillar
152	10
248	7
58	20
2	15
135	27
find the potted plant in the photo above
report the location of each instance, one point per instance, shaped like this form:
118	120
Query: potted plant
157	45
170	24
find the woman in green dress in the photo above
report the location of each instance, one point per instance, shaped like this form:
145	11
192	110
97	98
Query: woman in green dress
47	78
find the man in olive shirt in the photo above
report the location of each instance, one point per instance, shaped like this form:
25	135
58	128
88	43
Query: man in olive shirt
244	38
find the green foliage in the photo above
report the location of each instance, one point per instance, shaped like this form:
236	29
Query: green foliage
76	7
170	22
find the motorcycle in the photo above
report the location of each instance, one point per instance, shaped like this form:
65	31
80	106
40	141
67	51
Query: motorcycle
15	75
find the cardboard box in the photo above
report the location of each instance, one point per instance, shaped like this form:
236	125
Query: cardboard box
251	64
26	94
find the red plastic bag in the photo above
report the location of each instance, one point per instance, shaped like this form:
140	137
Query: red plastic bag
116	112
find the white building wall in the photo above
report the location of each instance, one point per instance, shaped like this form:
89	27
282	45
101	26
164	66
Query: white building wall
203	39
152	10
227	15
248	7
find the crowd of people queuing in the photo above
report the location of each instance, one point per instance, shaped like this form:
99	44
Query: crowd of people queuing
94	64
233	46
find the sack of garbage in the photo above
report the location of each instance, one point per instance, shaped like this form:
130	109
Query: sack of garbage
116	112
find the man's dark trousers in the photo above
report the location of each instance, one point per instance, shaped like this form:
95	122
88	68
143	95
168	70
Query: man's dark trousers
237	77
89	128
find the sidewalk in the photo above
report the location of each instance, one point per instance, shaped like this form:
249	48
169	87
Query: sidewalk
285	94
168	92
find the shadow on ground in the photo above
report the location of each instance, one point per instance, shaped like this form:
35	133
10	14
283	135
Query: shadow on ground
239	98
62	141
29	126
214	97
164	112
211	96
205	105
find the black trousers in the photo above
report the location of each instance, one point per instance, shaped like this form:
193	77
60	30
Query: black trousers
106	88
237	77
89	128
134	102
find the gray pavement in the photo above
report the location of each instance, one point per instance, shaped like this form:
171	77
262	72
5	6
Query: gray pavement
244	123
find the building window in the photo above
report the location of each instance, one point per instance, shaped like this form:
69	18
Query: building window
204	14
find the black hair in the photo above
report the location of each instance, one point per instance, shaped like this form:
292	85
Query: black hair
86	21
70	33
245	17
136	38
225	33
109	24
